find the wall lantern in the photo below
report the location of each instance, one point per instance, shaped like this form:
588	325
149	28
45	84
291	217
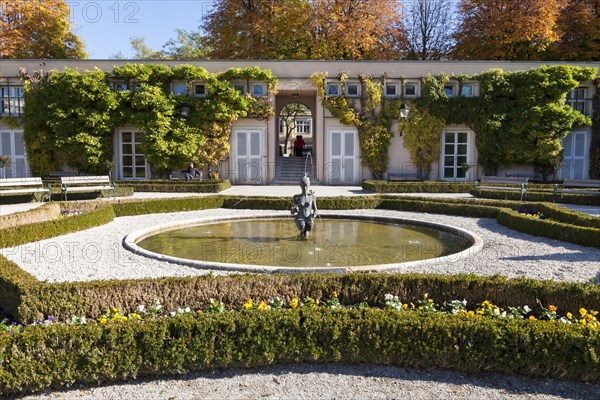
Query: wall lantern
184	110
404	110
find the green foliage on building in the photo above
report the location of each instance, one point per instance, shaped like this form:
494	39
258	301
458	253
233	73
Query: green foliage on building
70	116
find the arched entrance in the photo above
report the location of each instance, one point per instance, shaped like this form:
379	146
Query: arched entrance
295	123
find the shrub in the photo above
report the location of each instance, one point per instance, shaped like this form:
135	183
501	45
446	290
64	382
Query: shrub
127	208
416	187
62	355
43	230
208	186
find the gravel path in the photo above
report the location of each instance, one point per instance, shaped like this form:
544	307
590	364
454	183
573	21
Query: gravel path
97	254
336	381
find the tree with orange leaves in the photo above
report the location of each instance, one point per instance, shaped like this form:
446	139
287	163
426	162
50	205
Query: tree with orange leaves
305	29
579	23
506	29
357	29
37	29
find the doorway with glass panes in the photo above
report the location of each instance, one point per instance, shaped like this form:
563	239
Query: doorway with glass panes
12	146
455	155
575	159
132	163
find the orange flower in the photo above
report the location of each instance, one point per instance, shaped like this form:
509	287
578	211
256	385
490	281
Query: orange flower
551	308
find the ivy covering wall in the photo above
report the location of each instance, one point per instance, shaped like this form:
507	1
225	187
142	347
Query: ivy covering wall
518	117
70	116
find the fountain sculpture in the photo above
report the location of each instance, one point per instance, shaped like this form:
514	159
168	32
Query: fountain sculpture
305	208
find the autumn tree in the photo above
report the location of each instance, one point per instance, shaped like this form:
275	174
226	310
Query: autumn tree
260	29
37	29
356	29
579	24
506	29
429	26
304	29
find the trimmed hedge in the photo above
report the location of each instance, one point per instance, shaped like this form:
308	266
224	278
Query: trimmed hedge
285	203
22	234
417	187
207	186
63	300
539	196
581	235
128	208
57	356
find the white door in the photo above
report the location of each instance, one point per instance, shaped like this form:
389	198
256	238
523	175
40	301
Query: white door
574	156
455	155
342	166
249	158
13	145
133	161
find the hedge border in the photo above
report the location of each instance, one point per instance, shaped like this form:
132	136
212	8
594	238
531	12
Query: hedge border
37	301
58	356
29	353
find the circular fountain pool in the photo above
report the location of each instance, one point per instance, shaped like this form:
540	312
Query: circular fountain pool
270	243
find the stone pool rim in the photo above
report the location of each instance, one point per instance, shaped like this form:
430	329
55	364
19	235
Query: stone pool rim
130	243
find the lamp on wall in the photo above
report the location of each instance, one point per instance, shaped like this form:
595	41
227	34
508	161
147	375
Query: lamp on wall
404	110
184	110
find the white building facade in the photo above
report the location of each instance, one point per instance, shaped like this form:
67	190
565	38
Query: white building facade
333	154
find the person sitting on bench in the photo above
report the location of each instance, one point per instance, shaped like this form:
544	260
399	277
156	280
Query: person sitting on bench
191	172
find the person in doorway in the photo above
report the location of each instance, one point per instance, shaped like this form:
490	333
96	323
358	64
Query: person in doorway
298	146
191	172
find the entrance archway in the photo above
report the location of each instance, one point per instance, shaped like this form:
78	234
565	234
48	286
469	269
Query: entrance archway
295	125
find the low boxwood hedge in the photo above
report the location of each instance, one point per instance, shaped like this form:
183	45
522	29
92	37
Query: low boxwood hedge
416	187
22	234
207	186
57	356
63	300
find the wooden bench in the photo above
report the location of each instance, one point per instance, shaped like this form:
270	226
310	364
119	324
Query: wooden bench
577	186
403	177
520	175
180	176
502	183
17	186
80	184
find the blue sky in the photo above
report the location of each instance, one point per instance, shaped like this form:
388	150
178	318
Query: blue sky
106	26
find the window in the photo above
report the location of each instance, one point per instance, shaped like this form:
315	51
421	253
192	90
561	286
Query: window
332	89
352	89
411	89
258	90
199	89
179	89
467	90
11	101
576	98
450	89
391	89
240	87
118	86
303	126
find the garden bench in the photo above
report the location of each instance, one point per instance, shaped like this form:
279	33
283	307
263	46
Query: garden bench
17	186
79	184
577	186
520	175
502	183
180	176
403	177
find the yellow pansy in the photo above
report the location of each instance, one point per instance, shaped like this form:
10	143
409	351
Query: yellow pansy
248	304
294	303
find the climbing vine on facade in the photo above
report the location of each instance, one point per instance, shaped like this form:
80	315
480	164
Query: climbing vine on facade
518	117
70	116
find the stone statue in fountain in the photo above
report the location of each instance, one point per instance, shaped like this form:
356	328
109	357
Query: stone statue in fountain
305	208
